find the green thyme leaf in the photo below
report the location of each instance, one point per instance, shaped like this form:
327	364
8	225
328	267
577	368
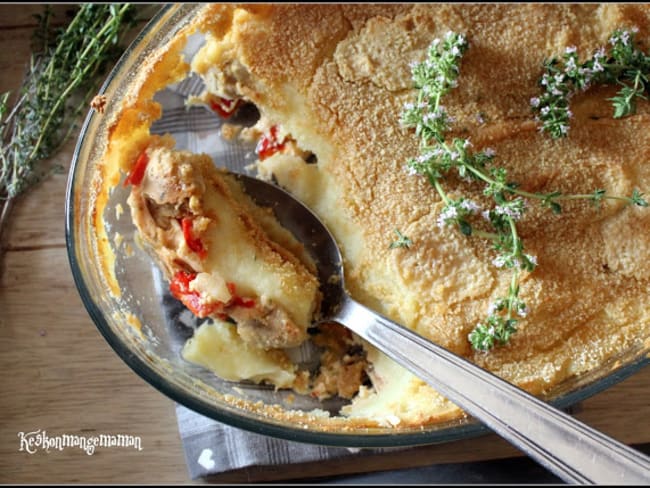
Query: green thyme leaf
637	199
465	227
402	241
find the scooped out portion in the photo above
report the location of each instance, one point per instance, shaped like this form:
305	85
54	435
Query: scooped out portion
224	257
218	347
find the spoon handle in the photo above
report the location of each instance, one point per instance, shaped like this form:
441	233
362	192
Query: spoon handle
570	449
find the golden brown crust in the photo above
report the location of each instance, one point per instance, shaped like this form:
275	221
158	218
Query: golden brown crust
359	72
342	71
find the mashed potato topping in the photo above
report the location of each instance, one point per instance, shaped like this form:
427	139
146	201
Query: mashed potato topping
330	82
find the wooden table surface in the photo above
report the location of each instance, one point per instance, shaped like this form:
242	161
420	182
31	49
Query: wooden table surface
58	374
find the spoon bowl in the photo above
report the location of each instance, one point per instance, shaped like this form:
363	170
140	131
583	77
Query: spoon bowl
570	449
310	231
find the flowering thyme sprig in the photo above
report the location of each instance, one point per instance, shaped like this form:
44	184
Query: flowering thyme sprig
563	78
434	78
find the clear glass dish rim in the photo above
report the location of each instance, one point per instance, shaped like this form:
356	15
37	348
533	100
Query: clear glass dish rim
463	430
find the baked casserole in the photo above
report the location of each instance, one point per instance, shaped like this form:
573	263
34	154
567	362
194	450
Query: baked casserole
330	82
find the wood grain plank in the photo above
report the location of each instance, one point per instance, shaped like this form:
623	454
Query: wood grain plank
60	375
38	216
22	16
14	58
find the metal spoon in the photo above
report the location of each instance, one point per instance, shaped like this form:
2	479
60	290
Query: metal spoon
570	449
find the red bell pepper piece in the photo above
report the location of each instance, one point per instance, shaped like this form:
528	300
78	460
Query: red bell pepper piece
137	172
180	288
193	242
224	106
237	300
269	144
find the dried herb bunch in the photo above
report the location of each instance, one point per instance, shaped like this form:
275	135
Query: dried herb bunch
62	76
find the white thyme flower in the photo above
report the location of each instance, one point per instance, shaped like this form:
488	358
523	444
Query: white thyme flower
436	115
570	65
423	158
450	212
495	306
522	310
466	143
411	170
430	65
486	215
625	37
455	51
532	258
535	101
545	110
559	78
599	54
409	106
429	117
453	155
570	50
512	212
470	206
435	42
461	38
597	67
556	91
428	90
635	29
499	261
489	152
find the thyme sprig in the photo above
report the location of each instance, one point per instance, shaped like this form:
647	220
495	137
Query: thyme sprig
433	78
401	241
60	80
624	64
